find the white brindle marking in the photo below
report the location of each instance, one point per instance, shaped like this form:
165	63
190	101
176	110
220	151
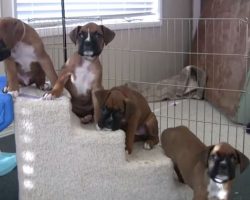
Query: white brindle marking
83	78
216	190
24	55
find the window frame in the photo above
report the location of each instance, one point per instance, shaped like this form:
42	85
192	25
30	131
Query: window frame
10	10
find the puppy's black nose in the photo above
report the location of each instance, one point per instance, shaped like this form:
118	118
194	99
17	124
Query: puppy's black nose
87	44
223	166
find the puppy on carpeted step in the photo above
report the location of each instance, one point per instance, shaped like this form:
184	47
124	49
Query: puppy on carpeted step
82	73
126	109
208	170
25	59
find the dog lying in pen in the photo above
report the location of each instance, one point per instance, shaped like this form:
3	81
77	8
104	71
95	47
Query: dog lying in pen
126	109
208	170
82	73
26	61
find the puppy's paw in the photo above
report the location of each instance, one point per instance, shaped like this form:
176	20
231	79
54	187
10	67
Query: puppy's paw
87	119
5	89
147	146
98	127
14	94
48	96
46	87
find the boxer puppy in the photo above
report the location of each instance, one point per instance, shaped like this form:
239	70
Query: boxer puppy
26	61
126	109
82	73
208	170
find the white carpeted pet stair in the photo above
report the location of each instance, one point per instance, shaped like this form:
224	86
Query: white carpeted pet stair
60	159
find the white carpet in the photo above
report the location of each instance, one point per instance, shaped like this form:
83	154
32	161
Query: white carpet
60	159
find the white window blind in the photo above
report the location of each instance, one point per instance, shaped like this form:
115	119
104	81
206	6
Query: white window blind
51	9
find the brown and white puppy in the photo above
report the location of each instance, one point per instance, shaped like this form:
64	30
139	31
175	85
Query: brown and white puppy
208	170
22	50
126	109
82	73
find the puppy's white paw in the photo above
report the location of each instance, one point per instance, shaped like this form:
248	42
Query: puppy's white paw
5	89
97	127
147	146
14	94
46	87
48	96
87	119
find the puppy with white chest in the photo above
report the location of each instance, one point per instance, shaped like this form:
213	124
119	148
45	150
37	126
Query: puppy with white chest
208	170
126	109
82	73
26	61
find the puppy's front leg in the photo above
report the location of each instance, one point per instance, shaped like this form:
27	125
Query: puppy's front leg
12	78
199	196
59	86
96	104
130	133
152	131
48	67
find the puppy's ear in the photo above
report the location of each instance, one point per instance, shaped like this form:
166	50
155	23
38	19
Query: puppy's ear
101	96
73	35
129	107
205	154
108	35
243	160
16	28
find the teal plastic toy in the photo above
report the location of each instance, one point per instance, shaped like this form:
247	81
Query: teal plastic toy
7	162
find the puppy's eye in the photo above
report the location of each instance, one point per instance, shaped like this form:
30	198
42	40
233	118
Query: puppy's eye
233	158
118	114
98	35
83	35
213	156
105	109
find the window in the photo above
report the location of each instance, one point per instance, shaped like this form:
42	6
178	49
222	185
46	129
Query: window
48	12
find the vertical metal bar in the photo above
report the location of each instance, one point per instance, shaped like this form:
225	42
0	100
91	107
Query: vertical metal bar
122	58
197	63
168	59
190	60
175	63
115	60
129	51
153	58
246	94
159	104
204	111
64	32
182	63
140	55
221	76
212	117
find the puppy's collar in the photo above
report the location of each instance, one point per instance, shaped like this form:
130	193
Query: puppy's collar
24	31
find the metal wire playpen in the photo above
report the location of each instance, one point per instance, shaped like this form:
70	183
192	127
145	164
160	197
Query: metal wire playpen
147	57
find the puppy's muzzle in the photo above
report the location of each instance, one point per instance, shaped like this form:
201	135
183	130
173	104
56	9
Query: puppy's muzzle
223	171
4	51
89	47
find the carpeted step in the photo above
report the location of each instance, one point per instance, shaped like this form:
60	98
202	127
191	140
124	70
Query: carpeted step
58	158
